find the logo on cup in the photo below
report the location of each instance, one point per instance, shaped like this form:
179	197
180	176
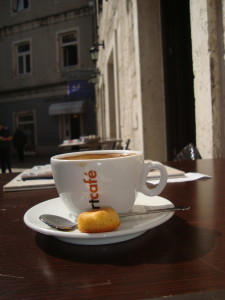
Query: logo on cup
91	179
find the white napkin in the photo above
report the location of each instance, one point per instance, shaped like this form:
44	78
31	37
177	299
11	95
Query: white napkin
187	177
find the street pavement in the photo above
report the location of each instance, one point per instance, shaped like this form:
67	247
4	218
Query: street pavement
29	162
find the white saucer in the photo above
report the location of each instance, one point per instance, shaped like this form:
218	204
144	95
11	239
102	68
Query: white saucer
130	227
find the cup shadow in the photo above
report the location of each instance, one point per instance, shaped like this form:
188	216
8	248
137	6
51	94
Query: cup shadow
172	242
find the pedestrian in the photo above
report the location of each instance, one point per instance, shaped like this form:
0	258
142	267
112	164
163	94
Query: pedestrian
5	141
19	142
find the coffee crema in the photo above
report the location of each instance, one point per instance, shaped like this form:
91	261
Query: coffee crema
96	156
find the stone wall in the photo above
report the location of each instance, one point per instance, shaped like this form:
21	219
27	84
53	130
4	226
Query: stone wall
131	79
119	73
207	26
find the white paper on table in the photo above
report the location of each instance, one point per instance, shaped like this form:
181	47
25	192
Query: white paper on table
187	177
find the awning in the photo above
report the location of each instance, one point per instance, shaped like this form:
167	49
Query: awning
64	108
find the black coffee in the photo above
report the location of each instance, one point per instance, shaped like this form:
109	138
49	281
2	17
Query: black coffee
96	156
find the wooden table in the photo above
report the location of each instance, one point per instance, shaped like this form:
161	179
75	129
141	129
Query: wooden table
184	257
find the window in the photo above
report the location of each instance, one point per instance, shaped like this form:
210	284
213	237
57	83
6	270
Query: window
23	58
69	53
20	5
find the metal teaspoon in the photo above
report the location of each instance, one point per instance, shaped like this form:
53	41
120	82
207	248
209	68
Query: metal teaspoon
64	224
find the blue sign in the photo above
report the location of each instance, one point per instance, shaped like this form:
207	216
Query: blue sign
80	90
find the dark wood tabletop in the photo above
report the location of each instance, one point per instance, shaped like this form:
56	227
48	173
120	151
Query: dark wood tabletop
183	258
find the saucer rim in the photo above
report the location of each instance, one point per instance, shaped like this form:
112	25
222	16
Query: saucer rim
77	235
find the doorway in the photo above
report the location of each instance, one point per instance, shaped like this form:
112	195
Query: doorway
75	129
178	75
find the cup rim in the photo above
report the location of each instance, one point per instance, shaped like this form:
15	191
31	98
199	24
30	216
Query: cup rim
59	157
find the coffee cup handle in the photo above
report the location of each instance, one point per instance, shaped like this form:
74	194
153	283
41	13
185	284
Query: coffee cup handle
147	167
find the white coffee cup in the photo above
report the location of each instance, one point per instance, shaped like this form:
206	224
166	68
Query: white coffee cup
84	181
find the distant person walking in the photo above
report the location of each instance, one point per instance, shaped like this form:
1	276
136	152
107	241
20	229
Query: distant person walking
5	141
19	141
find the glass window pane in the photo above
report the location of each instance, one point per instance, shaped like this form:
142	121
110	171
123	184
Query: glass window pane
26	3
19	5
23	48
20	65
70	55
68	38
25	118
22	4
27	63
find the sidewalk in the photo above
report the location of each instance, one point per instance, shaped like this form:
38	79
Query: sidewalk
29	162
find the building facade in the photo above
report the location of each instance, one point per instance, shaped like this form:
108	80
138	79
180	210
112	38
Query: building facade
161	75
45	71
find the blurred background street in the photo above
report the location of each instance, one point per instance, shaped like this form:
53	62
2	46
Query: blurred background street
29	162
